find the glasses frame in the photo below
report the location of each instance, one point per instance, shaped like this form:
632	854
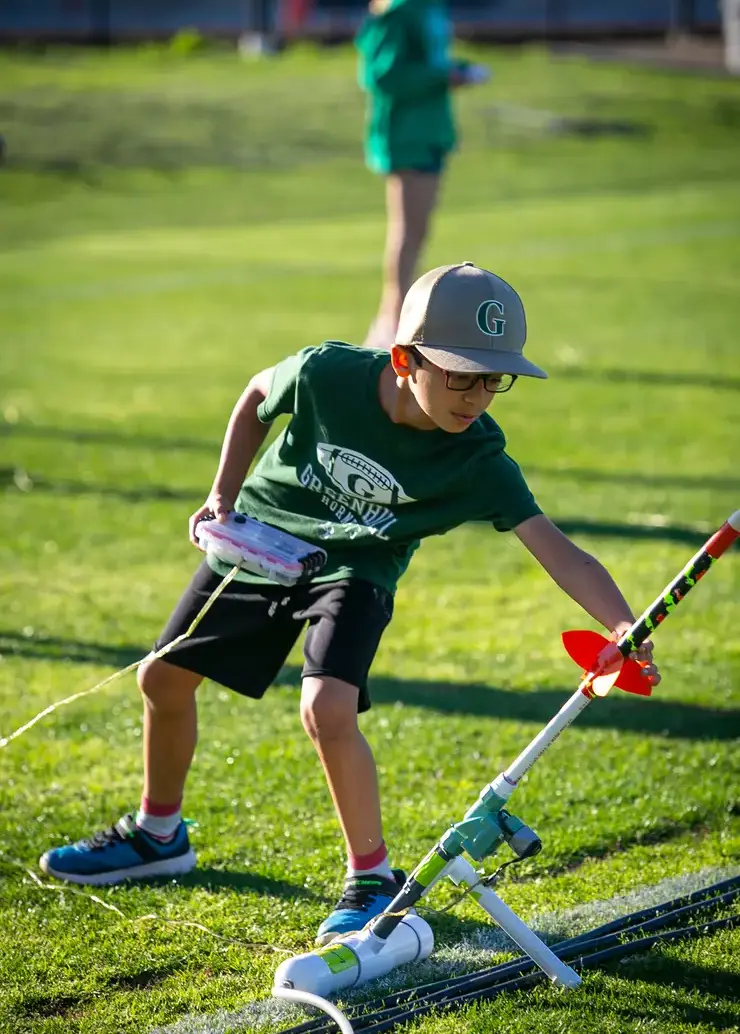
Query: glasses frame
476	376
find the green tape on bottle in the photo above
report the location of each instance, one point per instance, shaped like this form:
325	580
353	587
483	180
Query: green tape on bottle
338	957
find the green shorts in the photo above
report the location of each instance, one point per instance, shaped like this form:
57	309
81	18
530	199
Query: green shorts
432	162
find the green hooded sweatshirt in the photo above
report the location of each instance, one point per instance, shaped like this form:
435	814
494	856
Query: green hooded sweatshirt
405	68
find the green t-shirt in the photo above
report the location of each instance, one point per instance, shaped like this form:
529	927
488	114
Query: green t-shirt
343	476
404	67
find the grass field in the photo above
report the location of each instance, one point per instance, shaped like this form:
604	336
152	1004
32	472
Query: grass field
169	226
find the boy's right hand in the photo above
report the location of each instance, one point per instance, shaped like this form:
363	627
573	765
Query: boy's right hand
216	507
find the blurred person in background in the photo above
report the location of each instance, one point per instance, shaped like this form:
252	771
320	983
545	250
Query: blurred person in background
407	72
264	33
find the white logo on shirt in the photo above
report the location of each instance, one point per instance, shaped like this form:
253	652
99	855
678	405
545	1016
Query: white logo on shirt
359	476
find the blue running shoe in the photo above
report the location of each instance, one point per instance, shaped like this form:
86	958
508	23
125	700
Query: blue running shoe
123	852
364	897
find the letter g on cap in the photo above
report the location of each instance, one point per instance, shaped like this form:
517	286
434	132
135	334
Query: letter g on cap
491	327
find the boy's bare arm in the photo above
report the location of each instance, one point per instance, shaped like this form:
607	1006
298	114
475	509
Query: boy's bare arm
583	578
244	435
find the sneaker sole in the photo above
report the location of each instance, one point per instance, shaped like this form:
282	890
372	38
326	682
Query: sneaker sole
166	867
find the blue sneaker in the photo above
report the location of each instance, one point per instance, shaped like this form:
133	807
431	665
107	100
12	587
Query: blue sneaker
364	897
123	852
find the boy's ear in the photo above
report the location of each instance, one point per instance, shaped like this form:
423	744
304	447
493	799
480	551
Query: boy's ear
400	361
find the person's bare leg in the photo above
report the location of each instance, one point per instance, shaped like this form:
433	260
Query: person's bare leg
410	201
127	850
170	728
329	715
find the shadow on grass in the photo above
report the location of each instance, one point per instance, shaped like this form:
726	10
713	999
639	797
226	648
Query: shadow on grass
52	1006
615	843
59	1006
659	717
636	477
9	476
662	970
694	1016
664	1007
27	483
109	437
632	1007
52	648
620	530
656	716
223	879
644	532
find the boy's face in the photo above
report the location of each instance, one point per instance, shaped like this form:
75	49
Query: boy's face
450	410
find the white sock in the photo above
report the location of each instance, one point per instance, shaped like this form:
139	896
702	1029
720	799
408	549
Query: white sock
161	827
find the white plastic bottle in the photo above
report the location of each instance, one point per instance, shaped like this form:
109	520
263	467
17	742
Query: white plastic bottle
351	961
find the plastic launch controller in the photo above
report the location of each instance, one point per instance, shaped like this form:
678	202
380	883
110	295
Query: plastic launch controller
259	548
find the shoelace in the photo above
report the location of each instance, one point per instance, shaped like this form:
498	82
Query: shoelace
108	837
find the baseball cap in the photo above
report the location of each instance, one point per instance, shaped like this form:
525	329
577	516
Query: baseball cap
465	319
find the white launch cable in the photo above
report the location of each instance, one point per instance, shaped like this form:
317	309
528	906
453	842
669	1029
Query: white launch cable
306	998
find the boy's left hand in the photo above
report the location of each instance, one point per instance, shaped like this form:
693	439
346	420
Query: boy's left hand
643	655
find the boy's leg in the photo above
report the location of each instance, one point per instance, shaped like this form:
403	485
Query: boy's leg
239	644
153	841
170	728
410	200
329	715
347	620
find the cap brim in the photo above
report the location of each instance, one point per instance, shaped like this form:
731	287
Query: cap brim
481	360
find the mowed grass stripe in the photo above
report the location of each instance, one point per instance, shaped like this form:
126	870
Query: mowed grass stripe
161	283
670	209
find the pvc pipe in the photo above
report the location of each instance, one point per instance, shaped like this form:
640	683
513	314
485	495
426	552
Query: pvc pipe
353	960
461	871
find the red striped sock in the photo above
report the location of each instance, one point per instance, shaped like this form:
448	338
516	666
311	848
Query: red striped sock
376	863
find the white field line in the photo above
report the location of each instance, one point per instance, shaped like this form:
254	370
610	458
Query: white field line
467	955
162	283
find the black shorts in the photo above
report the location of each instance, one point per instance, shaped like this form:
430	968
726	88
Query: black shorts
243	640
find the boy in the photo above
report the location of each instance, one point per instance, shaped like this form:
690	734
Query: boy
380	451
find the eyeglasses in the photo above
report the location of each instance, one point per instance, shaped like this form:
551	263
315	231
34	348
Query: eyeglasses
494	383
